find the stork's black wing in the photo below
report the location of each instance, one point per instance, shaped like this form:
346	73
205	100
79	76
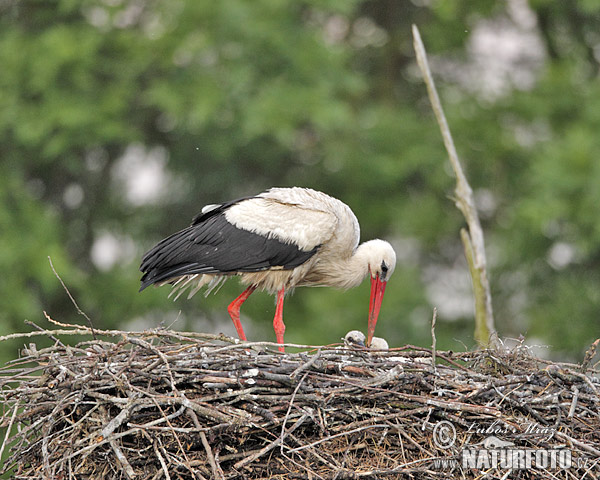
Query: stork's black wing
213	245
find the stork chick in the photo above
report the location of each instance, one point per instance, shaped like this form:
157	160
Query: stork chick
356	337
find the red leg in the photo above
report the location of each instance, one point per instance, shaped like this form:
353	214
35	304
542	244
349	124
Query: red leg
278	324
234	310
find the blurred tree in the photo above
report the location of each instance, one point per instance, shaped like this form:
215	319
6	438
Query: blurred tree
119	119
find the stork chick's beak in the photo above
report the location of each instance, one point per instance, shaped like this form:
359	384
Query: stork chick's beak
377	291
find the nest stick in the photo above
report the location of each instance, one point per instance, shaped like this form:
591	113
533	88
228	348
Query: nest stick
9	428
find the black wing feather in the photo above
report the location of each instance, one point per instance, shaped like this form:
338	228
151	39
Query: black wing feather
215	246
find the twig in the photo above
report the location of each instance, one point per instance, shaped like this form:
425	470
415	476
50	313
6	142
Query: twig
174	433
217	472
272	445
311	473
306	365
8	429
433	339
149	346
43	330
451	405
289	409
162	461
81	312
158	421
341	434
46	438
574	441
484	318
202	410
589	355
385	377
585	379
48	333
410	440
118	420
122	459
573	402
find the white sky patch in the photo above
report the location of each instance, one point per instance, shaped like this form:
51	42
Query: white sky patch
335	29
366	33
73	195
450	290
503	53
97	16
561	255
407	250
109	249
486	202
142	173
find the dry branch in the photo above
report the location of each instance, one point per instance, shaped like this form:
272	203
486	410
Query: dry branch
162	404
473	242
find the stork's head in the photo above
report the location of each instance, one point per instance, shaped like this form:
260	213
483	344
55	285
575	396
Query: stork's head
355	338
382	261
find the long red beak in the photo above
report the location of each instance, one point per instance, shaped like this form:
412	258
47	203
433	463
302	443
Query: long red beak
377	291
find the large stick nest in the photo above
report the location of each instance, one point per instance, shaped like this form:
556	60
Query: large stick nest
172	405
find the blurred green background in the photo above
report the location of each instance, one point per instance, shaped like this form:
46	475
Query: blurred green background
120	119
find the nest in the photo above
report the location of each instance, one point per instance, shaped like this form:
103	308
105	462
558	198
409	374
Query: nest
161	404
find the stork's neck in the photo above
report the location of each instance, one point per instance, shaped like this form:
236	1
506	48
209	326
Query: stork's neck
375	257
357	266
350	271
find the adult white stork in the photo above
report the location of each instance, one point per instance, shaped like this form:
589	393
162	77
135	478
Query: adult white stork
275	241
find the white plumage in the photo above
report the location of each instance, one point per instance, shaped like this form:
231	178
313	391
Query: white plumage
357	338
274	241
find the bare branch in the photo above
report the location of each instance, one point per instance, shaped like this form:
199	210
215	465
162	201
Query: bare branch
465	202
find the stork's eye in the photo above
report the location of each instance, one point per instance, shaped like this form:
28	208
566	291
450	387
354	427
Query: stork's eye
384	269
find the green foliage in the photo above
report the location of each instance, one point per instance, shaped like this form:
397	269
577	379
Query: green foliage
245	95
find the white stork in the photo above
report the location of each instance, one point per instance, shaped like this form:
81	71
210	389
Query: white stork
274	241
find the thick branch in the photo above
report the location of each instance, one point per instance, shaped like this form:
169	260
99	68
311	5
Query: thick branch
465	202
